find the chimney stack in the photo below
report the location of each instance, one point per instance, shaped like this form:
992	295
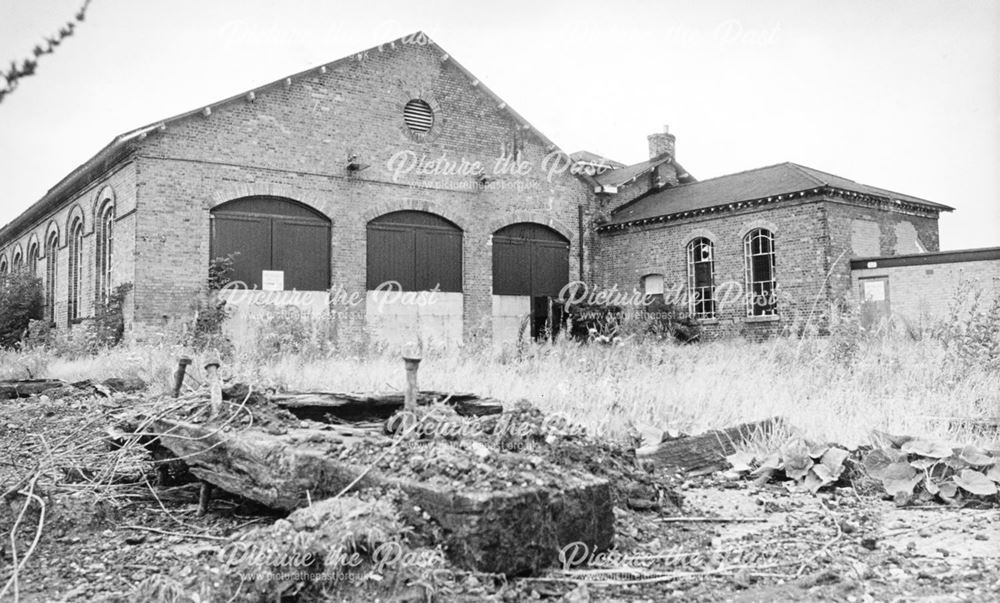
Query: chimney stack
661	142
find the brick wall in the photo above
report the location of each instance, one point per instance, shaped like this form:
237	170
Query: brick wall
119	185
293	141
799	231
860	230
923	294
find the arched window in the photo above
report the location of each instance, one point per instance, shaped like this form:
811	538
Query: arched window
75	269
3	264
51	253
761	283
419	250
17	264
104	252
32	262
701	278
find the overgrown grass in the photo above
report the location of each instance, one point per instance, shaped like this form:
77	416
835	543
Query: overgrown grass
836	388
828	388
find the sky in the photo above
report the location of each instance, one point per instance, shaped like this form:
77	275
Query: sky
900	94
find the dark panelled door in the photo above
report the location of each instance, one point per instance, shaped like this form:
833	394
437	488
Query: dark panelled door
271	233
418	250
529	259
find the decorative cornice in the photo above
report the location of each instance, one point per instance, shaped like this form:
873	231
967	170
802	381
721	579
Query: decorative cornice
826	191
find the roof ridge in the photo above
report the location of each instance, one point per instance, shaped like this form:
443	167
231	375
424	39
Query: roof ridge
676	186
419	37
807	172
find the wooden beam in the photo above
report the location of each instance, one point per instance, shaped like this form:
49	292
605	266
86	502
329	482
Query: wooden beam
701	452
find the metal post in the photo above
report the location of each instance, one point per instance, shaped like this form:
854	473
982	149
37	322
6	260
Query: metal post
179	373
412	363
215	387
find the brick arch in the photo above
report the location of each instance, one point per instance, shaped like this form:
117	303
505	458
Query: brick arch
235	191
52	228
535	217
75	213
700	232
17	252
104	197
387	207
33	241
759	223
647	270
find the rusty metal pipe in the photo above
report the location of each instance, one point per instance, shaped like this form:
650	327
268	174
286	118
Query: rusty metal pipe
179	374
212	364
412	363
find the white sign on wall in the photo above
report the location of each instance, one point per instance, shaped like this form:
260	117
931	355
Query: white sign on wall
873	291
273	280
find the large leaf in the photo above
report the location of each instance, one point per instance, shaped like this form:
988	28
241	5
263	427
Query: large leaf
976	457
956	462
902	486
833	459
876	462
770	463
932	448
797	460
948	490
740	462
900	478
975	483
816	451
819	476
994	472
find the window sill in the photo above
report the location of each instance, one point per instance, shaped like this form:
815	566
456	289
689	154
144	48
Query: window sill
774	318
707	321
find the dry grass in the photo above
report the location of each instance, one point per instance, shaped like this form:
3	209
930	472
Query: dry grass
828	390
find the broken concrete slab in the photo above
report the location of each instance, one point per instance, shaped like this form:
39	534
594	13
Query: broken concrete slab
509	516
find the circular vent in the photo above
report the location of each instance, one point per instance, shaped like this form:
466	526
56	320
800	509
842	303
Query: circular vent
418	116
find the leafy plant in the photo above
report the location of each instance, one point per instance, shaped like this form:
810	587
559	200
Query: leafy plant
946	472
806	465
614	324
211	312
21	302
971	332
109	318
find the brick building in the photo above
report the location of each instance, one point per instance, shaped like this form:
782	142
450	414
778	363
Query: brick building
398	165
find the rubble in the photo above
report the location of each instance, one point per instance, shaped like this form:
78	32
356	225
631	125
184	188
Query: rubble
501	512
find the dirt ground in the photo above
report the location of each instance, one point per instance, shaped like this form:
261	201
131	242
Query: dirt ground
731	540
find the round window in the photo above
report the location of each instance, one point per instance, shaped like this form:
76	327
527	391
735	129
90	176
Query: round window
418	116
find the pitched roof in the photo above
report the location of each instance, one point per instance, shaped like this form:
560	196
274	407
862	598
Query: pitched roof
625	175
121	145
589	157
751	185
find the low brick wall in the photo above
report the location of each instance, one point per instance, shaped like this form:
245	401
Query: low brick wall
920	288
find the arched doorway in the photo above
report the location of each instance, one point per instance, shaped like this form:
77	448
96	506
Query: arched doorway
530	268
277	235
414	278
419	250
